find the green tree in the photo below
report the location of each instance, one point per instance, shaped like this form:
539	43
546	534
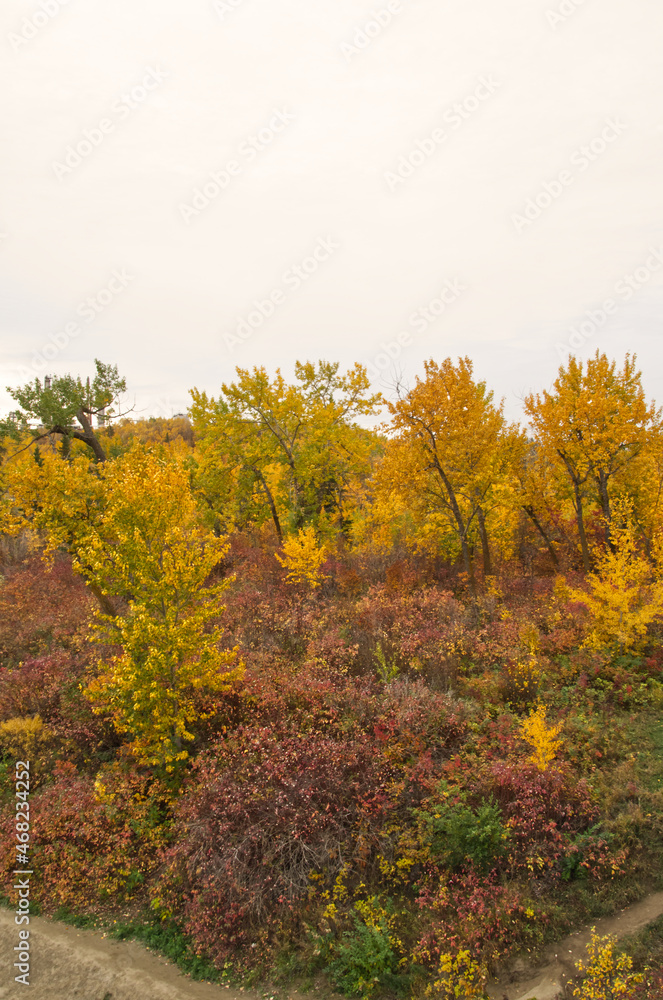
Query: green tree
65	406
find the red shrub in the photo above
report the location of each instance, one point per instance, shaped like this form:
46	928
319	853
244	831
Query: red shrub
82	850
41	609
544	811
414	720
468	911
262	816
651	988
35	687
49	687
423	629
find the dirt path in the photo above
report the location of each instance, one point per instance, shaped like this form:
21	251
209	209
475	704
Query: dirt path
71	964
559	959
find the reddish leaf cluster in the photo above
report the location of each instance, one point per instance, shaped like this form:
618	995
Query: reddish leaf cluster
260	816
40	610
82	850
49	686
474	912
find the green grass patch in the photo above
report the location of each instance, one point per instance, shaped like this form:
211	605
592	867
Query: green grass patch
83	921
648	731
169	940
646	947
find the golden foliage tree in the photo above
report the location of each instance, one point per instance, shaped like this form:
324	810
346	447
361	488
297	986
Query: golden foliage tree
134	531
625	594
591	427
535	486
150	546
541	737
291	453
303	557
446	457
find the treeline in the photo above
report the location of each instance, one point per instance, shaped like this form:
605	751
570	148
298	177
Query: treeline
445	474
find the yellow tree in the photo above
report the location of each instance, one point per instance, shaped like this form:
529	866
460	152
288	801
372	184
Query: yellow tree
289	452
134	531
535	488
384	517
642	484
173	433
625	595
592	426
58	501
499	513
303	557
149	546
446	453
541	737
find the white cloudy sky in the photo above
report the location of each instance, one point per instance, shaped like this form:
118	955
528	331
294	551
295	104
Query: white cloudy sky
356	115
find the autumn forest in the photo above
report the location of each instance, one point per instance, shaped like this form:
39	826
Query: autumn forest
322	687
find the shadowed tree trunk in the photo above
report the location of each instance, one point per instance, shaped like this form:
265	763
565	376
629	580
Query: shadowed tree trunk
485	547
529	510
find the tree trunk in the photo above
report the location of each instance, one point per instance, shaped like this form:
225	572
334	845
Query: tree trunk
485	547
529	510
89	437
581	528
604	499
272	506
104	600
462	529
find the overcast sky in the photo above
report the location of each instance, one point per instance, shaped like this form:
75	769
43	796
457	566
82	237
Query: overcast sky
412	179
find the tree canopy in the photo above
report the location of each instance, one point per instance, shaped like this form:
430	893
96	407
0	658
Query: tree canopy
65	406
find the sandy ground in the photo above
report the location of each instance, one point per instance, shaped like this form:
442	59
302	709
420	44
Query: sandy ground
71	964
